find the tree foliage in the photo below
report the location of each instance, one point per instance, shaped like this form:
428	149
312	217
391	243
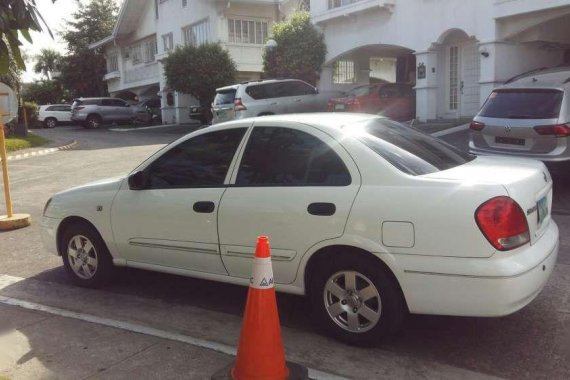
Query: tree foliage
17	17
12	77
44	92
82	70
199	70
47	62
300	50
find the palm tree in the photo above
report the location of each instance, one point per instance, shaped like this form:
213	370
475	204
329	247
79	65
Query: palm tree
47	62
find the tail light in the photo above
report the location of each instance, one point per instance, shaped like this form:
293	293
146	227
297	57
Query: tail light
238	105
77	108
476	126
503	223
558	130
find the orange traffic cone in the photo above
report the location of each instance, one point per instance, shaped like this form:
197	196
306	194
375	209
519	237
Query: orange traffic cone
260	352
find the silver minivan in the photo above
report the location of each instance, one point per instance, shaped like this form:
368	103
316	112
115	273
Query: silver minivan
526	117
266	97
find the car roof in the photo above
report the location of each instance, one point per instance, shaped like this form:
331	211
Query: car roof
256	82
323	120
555	78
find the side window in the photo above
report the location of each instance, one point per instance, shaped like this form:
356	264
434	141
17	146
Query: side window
107	102
302	88
389	91
288	157
118	103
66	108
52	108
202	161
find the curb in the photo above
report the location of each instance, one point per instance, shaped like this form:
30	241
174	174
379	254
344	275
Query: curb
42	152
154	127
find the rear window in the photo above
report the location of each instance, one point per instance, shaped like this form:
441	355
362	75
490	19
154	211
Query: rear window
523	104
359	91
225	97
411	151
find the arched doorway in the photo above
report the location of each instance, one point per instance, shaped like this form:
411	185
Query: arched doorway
458	65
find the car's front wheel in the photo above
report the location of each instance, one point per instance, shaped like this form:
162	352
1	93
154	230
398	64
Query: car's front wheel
356	300
50	122
85	256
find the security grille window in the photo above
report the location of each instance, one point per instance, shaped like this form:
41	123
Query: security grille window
453	77
247	31
136	54
168	42
149	50
113	62
202	161
340	3
288	157
343	72
197	34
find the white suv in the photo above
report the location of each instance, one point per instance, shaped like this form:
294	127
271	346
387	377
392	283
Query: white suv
266	97
53	114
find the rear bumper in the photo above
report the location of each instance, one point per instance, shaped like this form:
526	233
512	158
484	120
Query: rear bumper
558	154
486	287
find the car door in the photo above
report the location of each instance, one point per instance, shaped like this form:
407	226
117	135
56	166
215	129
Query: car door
64	113
172	221
305	97
294	184
122	110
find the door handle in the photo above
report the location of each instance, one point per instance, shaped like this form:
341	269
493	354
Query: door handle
204	207
321	209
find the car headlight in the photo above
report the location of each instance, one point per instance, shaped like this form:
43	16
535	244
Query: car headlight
46	207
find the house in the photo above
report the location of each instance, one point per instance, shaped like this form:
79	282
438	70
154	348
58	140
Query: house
147	30
455	51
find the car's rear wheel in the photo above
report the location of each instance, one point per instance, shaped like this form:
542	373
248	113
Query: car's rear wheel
93	121
356	300
50	122
85	256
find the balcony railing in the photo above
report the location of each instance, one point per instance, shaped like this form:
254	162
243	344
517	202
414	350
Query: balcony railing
145	73
341	8
341	3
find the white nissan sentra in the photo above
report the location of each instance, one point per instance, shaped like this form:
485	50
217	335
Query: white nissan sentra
369	218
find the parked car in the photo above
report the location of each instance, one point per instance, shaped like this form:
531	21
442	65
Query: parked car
93	112
148	111
368	217
394	100
266	97
53	114
528	117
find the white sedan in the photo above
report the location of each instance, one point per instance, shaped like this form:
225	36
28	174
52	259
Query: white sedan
369	218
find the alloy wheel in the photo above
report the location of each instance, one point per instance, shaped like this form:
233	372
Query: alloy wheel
352	301
82	257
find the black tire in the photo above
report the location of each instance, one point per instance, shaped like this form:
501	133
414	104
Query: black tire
93	121
103	269
50	122
389	305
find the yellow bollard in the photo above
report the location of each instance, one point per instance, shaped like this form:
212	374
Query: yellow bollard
10	221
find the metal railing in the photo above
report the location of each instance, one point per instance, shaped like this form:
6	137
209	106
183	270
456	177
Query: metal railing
341	3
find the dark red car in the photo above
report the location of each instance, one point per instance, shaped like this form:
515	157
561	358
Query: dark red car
394	100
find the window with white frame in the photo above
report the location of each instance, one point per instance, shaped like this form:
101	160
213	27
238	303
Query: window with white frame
149	50
168	42
136	54
197	34
247	31
343	72
112	63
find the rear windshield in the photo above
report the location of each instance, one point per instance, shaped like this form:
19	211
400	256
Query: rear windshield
225	97
359	91
411	151
523	104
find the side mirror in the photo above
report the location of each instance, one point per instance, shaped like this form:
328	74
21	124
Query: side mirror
138	181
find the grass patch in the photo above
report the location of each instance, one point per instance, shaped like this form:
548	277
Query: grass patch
17	143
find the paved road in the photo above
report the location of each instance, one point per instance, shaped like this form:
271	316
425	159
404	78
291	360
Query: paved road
533	343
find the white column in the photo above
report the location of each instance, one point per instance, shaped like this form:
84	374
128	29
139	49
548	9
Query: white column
426	88
326	79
